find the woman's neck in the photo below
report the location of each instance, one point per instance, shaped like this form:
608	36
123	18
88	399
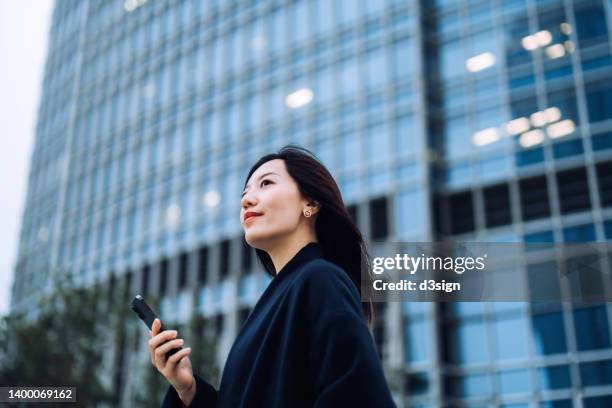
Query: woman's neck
281	255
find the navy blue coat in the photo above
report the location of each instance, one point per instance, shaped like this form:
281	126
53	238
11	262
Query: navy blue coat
305	344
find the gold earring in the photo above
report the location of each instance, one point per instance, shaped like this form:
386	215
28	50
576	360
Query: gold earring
307	213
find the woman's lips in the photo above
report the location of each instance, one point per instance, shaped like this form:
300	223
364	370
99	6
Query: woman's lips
250	217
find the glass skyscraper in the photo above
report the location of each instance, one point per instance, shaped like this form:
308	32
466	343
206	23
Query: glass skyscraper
443	120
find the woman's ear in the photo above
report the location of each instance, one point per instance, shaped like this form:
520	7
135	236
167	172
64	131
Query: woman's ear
315	207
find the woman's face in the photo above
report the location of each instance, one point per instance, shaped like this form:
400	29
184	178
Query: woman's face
274	195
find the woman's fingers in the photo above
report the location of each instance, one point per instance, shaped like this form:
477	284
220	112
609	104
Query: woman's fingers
176	357
161	338
161	351
155	327
158	339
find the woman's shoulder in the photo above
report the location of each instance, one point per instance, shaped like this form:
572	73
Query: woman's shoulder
324	290
321	271
322	279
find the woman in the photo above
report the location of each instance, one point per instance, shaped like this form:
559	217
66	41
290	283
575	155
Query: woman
306	343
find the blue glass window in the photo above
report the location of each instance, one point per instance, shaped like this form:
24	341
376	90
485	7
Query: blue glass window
417	345
379	179
566	403
608	229
324	150
326	85
406	135
565	100
549	333
598	402
483	42
279	35
375	6
218	60
591	23
416	308
489	116
596	373
302	21
515	381
553	71
459	175
555	377
348	10
449	21
524	107
237	47
377	68
246	286
514	31
511	337
350	150
233	120
530	156
277	103
471	342
454	97
579	233
379	146
596	62
407	171
473	385
567	149
403	60
324	20
551	20
602	141
599	101
457	137
410	213
350	80
480	15
351	186
494	167
488	88
452	60
591	328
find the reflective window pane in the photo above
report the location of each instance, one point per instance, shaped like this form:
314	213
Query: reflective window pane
416	337
599	101
549	333
596	373
511	337
591	326
555	377
515	381
471	346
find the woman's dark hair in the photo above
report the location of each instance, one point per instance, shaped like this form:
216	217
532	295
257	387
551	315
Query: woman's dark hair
338	236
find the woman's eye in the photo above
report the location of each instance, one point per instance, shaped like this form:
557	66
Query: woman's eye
260	184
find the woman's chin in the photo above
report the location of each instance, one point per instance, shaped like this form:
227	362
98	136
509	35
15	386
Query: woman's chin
258	239
252	237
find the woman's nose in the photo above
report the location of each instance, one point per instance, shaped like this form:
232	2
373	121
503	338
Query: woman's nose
247	200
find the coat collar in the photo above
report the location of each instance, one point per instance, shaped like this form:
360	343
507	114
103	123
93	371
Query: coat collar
310	251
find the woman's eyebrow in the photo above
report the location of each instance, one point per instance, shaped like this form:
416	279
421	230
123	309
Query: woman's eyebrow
259	178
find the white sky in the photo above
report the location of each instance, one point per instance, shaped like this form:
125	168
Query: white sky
24	28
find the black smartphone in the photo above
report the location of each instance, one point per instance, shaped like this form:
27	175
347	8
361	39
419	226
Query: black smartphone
140	307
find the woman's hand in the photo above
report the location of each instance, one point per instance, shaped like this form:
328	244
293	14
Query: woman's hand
177	368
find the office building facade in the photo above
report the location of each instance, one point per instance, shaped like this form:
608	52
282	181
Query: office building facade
465	120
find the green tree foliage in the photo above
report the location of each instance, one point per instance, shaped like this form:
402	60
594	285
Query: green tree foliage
80	337
61	346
